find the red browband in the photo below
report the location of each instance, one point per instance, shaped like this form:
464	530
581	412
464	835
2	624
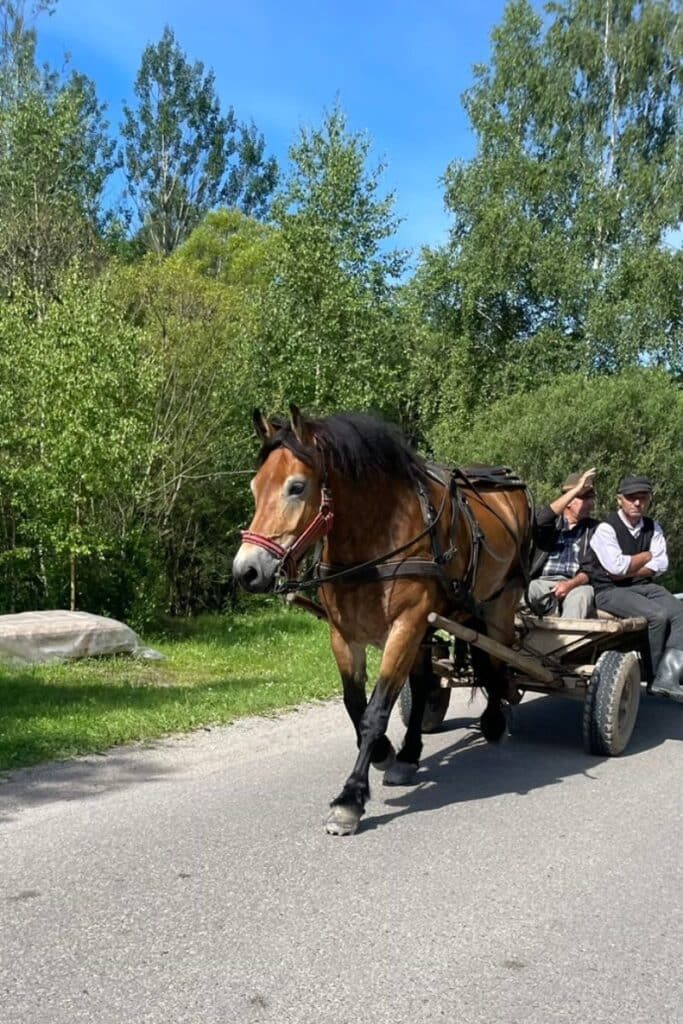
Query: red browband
318	528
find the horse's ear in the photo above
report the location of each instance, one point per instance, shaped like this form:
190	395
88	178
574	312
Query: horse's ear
264	428
301	428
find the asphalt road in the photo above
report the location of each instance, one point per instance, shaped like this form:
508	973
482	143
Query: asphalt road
192	882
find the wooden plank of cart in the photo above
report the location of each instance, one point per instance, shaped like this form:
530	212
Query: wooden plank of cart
598	661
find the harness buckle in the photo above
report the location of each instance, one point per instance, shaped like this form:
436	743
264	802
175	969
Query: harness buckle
446	555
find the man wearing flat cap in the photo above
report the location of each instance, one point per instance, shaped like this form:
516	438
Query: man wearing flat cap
562	531
629	550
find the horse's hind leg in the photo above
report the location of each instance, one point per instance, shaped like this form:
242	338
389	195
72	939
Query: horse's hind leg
489	672
487	676
351	662
404	769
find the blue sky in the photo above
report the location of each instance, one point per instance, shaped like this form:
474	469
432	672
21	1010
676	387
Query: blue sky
397	69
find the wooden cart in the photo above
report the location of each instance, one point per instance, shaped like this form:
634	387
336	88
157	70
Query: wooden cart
598	661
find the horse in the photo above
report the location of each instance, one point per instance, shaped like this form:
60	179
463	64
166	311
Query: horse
400	538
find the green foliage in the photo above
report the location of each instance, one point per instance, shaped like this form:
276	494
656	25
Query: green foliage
182	156
197	309
55	158
228	247
627	423
76	390
557	261
330	331
17	50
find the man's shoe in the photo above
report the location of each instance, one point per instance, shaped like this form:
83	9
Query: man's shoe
669	678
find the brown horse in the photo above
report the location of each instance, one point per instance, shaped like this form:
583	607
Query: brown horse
399	539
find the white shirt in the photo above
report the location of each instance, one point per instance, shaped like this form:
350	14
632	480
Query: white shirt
606	546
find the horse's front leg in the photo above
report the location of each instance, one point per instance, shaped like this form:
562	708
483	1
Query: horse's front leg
400	652
351	662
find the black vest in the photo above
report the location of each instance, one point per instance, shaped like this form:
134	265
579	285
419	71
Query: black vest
629	544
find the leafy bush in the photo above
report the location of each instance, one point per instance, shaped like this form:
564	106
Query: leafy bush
628	423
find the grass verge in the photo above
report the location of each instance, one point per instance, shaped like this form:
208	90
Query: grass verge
216	669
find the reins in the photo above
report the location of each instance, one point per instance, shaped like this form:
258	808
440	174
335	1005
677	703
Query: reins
292	585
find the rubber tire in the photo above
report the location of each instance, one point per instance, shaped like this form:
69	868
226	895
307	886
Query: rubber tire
435	708
611	704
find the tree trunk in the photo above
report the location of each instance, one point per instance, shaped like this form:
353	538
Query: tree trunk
72	581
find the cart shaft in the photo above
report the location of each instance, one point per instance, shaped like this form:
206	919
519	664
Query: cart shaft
530	666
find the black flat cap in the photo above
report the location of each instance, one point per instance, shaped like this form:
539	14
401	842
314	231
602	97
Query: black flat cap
634	485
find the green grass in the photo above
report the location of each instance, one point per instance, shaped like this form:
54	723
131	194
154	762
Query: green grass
216	669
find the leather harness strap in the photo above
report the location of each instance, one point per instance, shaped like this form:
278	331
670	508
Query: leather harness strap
408	567
459	592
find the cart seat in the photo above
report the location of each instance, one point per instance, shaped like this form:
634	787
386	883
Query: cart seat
604	623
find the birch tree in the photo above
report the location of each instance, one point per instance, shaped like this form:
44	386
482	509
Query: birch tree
182	155
561	256
331	332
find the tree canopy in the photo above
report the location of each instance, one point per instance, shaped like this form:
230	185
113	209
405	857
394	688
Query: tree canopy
329	328
546	333
557	259
182	155
55	159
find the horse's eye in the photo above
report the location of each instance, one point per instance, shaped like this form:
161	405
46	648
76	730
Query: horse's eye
295	488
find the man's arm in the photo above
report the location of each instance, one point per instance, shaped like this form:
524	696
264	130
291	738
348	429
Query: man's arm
659	561
586	480
613	560
565	586
640	566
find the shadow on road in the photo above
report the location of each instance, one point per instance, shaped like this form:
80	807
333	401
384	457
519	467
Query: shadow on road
543	747
80	779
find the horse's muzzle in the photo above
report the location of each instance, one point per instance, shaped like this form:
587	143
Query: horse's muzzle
254	569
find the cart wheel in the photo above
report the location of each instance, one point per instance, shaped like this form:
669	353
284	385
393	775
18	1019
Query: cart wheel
435	708
611	704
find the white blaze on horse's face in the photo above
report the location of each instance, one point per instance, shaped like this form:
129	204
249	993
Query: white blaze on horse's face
287	496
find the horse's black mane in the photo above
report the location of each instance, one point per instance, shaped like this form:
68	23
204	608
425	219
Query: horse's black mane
360	446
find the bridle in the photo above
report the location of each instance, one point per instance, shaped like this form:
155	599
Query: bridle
319	527
290	556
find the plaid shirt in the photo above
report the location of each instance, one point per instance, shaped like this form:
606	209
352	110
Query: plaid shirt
565	557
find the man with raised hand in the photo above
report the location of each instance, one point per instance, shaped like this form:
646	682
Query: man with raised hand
562	531
630	550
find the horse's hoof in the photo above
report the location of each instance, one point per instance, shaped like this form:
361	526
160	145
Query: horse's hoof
401	773
493	724
514	695
387	762
342	820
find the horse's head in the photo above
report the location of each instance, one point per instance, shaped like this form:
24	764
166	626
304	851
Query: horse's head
293	504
